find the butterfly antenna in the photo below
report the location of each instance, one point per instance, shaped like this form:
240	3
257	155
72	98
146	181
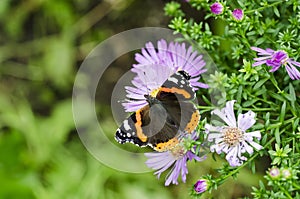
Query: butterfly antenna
147	86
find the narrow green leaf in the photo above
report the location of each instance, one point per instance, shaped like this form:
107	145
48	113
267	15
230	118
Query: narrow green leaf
249	103
267	119
261	184
271	152
245	96
292	92
276	160
207	101
251	33
253	169
277	147
260	41
232	91
277	136
295	124
282	112
276	11
276	96
261	91
287	96
264	139
273	126
260	83
258	126
239	94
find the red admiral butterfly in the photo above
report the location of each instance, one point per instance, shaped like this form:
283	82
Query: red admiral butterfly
168	115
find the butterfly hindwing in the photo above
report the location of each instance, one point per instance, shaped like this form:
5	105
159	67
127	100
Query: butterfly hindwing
131	128
147	126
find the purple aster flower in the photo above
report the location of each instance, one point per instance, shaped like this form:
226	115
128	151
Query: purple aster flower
216	8
176	158
155	65
238	14
232	138
275	59
200	186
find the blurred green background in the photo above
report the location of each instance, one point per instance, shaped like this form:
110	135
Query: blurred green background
43	43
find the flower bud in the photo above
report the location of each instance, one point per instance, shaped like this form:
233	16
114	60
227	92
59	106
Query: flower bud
200	186
216	8
238	14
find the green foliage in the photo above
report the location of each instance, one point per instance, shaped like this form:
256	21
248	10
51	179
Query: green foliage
274	97
41	156
172	9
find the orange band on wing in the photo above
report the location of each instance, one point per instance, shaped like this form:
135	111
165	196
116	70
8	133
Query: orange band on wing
176	90
190	127
138	126
165	146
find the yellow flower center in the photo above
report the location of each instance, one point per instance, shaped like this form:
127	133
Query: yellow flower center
154	92
178	151
232	136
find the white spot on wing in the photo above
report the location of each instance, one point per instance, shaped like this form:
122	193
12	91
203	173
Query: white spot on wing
173	79
126	125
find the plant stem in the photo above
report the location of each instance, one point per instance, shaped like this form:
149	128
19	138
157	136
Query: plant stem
273	80
263	7
284	191
296	186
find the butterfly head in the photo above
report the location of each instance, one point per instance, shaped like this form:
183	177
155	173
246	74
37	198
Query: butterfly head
151	100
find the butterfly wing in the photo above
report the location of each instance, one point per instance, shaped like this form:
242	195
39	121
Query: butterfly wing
178	84
131	128
148	126
176	95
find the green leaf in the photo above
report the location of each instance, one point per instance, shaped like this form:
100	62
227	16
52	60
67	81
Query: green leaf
249	103
277	136
239	93
253	169
271	152
261	184
260	41
292	92
276	96
287	149
267	119
261	91
260	83
276	11
276	160
251	33
207	101
277	147
273	126
264	139
282	112
295	124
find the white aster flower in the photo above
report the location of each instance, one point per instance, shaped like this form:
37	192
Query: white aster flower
232	138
